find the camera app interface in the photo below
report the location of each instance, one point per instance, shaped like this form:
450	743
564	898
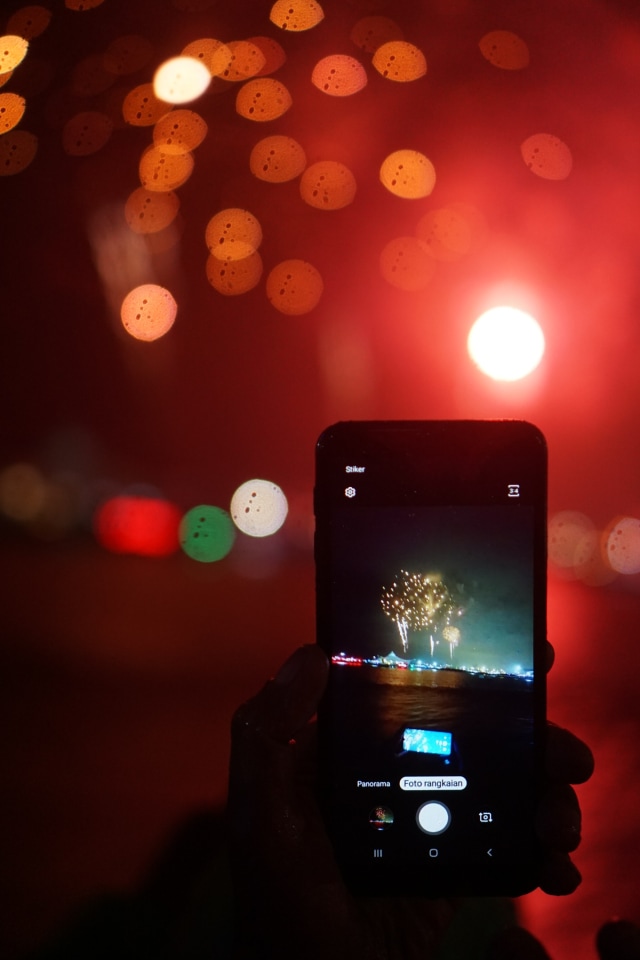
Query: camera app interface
432	680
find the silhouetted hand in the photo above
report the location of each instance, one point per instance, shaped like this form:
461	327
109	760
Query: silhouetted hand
289	894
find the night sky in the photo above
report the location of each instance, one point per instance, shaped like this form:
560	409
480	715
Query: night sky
483	554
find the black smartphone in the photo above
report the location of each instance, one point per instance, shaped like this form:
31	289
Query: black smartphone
431	606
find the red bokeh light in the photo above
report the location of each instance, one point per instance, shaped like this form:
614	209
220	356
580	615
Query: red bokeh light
144	526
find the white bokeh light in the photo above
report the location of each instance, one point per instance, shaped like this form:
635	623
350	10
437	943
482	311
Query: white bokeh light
181	80
506	343
259	508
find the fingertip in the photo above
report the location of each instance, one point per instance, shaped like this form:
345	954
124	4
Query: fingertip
516	944
568	759
559	875
618	940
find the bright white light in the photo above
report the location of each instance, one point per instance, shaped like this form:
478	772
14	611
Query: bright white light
181	80
259	508
506	343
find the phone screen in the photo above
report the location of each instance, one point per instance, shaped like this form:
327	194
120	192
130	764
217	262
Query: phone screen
431	570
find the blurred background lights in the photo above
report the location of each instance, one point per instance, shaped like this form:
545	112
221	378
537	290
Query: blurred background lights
17	150
296	15
400	61
547	156
405	263
339	75
572	541
29	22
148	312
372	32
90	77
179	131
294	287
13	50
263	99
277	159
143	526
181	80
141	107
164	171
408	174
127	54
449	232
147	211
505	50
11	111
234	277
273	53
328	185
206	50
506	343
259	508
247	60
86	133
233	234
81	5
23	492
623	545
206	533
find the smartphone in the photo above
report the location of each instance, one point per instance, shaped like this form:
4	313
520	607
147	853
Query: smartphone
430	553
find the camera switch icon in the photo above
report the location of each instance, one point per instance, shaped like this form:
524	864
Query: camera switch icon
350	492
485	817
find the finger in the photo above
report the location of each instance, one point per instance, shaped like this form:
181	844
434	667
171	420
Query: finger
568	759
559	819
559	876
619	940
516	944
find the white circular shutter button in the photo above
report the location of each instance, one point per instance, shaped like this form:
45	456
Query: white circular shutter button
433	817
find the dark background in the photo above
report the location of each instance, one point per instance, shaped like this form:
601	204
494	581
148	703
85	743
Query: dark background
120	673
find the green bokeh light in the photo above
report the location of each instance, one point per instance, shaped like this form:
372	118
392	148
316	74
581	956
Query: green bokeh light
207	533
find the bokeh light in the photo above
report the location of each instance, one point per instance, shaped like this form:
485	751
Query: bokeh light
572	541
148	312
148	211
622	542
506	343
400	61
234	277
273	53
127	54
233	234
29	22
17	150
246	60
547	156
370	33
213	54
206	533
296	15
450	232
179	131
13	50
294	287
405	263
259	508
143	526
23	492
505	50
164	171
408	174
181	80
339	75
328	185
263	99
12	108
277	159
86	133
81	5
141	107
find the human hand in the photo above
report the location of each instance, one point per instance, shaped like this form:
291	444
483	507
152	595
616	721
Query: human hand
291	900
